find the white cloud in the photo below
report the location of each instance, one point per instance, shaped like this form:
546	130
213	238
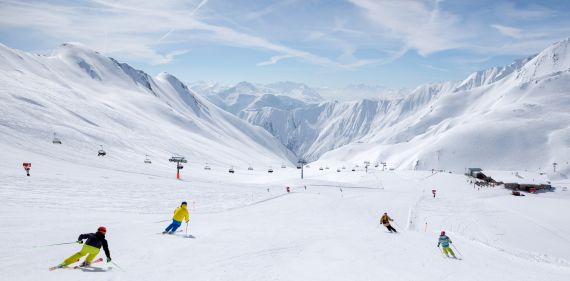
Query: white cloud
421	25
508	31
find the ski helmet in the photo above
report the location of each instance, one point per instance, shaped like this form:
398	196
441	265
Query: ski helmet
184	203
102	229
442	232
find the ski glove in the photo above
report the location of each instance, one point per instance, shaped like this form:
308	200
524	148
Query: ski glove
79	241
108	259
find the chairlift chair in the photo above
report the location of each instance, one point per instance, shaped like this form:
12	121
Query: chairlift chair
283	166
308	166
327	167
101	152
338	170
250	168
207	167
56	140
270	170
147	160
321	168
231	170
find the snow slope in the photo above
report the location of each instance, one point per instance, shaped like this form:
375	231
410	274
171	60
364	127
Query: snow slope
242	231
91	100
507	118
519	122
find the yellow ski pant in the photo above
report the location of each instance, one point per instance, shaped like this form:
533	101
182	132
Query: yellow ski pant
447	251
90	251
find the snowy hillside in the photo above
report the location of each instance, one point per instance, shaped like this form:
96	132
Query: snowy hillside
90	100
517	122
510	117
247	227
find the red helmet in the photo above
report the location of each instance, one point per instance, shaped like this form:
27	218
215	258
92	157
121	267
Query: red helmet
442	232
102	229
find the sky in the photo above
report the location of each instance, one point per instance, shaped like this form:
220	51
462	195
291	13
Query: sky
334	43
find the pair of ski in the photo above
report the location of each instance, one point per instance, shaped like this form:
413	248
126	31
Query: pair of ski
77	266
177	234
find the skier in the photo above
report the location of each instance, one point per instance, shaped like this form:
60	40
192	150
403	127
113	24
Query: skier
385	220
180	213
444	241
91	248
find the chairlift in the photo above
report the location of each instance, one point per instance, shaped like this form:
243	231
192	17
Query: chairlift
207	167
270	170
308	166
298	166
327	167
338	170
354	169
56	140
178	159
250	168
321	168
147	160
343	167
101	152
283	166
231	170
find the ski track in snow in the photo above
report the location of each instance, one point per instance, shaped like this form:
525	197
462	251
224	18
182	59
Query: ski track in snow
244	232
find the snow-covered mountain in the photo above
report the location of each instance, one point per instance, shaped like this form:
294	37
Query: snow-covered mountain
90	100
245	95
515	117
503	117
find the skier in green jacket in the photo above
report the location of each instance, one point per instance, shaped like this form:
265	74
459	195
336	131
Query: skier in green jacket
444	241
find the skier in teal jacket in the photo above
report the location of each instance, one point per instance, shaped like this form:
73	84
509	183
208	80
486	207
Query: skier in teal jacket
444	241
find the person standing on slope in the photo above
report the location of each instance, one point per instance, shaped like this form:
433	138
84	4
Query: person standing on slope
91	248
385	220
181	213
444	241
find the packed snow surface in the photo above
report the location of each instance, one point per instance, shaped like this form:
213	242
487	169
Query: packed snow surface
247	227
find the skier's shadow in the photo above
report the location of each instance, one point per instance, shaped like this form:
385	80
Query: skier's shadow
94	269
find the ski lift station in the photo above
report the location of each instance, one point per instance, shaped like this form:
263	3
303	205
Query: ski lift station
56	140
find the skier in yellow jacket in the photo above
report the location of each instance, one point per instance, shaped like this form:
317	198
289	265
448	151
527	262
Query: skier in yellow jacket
385	220
181	213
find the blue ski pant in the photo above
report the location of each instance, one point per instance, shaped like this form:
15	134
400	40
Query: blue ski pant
173	226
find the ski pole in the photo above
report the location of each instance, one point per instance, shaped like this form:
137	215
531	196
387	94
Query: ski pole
441	251
115	264
186	229
57	244
398	225
456	249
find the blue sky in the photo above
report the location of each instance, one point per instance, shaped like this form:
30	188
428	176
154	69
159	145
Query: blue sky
393	43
